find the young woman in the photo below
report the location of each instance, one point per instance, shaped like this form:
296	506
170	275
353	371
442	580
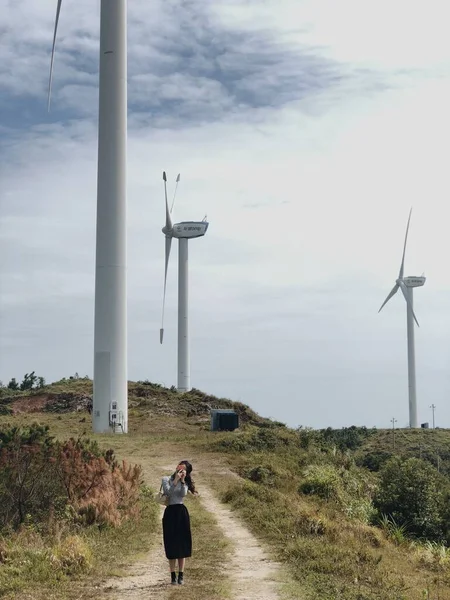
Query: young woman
176	522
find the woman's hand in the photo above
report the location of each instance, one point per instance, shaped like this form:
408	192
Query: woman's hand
182	475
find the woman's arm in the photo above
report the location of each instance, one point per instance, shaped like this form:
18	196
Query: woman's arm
169	485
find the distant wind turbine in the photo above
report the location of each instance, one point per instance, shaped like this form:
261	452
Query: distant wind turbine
184	231
407	284
110	402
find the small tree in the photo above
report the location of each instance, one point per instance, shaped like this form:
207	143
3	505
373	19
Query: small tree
412	492
13	384
41	382
28	381
28	482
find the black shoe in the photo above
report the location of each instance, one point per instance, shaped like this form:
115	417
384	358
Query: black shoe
173	576
180	578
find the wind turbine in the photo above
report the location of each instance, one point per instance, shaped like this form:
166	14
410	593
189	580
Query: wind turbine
110	402
183	231
407	285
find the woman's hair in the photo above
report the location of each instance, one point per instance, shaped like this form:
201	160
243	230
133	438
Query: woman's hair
188	479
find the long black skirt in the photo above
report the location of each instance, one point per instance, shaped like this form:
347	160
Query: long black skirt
177	532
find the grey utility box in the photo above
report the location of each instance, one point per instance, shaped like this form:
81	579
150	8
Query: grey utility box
224	420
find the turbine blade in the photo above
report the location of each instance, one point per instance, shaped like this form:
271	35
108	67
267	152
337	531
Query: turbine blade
175	192
402	266
408	302
50	81
391	293
168	246
168	217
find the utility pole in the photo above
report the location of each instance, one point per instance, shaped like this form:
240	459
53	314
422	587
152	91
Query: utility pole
433	408
393	421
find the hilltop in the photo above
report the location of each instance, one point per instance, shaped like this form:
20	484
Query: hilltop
370	447
74	394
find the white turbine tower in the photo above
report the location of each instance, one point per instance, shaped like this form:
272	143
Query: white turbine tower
183	232
110	403
407	284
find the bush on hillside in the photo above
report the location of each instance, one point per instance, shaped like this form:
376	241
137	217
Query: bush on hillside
41	478
322	481
255	440
30	381
13	385
260	474
351	489
72	555
413	494
375	460
28	482
98	488
347	438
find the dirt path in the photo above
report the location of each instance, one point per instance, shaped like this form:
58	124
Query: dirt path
253	576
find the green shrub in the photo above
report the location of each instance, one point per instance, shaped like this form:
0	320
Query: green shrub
347	438
258	439
350	488
29	484
323	481
72	555
395	532
375	460
260	474
412	493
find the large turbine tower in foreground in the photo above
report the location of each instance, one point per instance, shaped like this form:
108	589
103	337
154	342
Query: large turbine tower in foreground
110	403
184	232
407	284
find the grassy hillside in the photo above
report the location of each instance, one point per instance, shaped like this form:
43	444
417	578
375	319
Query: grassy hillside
310	494
144	399
312	502
432	445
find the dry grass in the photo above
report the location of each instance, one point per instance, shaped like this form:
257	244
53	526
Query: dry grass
72	567
206	572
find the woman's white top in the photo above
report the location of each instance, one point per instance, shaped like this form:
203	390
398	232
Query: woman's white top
176	493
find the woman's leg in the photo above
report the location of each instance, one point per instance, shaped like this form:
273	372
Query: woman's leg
172	564
181	562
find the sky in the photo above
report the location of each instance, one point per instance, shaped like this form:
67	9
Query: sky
305	130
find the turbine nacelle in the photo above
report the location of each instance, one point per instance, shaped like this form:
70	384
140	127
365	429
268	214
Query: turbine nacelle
186	229
190	229
413	281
